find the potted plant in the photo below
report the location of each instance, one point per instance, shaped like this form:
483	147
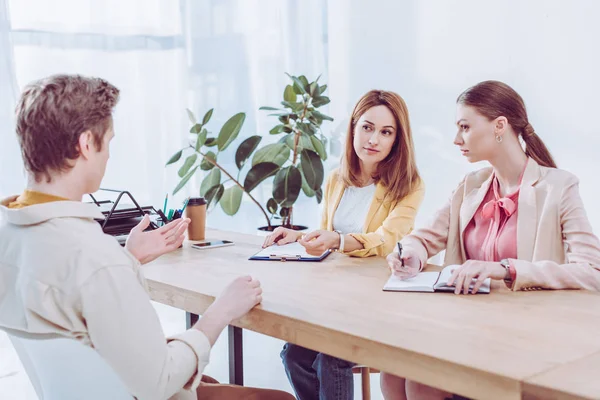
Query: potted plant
300	152
295	161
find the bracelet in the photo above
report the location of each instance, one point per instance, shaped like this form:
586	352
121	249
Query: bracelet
341	248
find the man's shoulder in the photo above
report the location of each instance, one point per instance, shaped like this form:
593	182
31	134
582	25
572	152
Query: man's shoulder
63	247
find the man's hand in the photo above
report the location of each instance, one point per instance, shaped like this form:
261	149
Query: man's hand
147	246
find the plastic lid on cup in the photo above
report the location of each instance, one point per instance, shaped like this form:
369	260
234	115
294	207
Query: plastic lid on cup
196	201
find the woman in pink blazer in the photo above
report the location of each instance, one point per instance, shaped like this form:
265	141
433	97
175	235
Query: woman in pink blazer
520	220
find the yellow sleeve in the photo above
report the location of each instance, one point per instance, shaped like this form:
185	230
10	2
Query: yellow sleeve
327	199
399	223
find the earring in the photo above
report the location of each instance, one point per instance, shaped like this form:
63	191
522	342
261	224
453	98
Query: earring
498	138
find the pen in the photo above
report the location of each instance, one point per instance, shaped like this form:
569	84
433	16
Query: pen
165	205
400	253
185	205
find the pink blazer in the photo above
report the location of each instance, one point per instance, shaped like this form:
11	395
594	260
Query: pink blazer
556	248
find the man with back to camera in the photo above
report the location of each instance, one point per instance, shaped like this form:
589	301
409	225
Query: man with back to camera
61	276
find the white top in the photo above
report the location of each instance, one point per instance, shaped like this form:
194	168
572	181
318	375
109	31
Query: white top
353	208
62	277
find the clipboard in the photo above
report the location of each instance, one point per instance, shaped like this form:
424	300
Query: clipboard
288	252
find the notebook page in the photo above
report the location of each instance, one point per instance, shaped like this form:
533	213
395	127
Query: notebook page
289	250
447	273
423	282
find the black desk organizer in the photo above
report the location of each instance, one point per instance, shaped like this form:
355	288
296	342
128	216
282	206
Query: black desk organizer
121	217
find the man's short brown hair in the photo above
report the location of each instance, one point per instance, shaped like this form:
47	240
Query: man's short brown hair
53	112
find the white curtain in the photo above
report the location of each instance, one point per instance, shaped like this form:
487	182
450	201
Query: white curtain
167	56
11	167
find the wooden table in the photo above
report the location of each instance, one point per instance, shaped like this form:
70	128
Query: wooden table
480	346
576	380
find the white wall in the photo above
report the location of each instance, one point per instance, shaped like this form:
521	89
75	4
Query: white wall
429	51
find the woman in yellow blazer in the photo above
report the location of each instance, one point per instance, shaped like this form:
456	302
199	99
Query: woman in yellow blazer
380	155
520	221
370	203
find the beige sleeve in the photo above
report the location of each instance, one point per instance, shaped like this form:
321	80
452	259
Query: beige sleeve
126	332
431	239
582	267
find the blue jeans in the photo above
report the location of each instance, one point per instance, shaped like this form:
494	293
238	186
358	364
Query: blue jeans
316	375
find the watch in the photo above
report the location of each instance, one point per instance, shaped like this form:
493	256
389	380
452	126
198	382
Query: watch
506	264
341	248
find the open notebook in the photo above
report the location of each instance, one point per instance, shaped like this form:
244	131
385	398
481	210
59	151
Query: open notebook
429	282
288	252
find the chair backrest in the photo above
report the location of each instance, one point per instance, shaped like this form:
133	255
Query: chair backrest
67	370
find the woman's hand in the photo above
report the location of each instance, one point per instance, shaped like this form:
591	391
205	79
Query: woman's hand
282	236
317	242
463	276
411	267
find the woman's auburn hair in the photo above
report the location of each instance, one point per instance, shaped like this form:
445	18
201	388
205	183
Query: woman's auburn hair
398	172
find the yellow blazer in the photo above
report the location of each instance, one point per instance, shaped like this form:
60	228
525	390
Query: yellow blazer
386	222
556	248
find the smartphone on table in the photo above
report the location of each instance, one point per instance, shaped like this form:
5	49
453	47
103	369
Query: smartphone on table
212	244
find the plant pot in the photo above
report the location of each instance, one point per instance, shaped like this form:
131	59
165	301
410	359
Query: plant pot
264	230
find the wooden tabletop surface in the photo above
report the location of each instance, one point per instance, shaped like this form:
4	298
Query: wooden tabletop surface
481	346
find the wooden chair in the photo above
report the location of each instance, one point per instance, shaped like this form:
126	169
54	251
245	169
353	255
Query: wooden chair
365	373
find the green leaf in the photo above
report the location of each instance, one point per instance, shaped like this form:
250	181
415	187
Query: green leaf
269	108
305	83
320	101
283	113
306	128
277	153
259	173
287	185
272	206
174	158
211	180
185	179
312	168
322	89
214	194
298	85
314	89
319	194
231	200
321	116
284	119
207	116
191	115
303	143
211	142
306	188
187	165
230	130
196	128
201	139
206	165
276	130
246	148
319	147
289	95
